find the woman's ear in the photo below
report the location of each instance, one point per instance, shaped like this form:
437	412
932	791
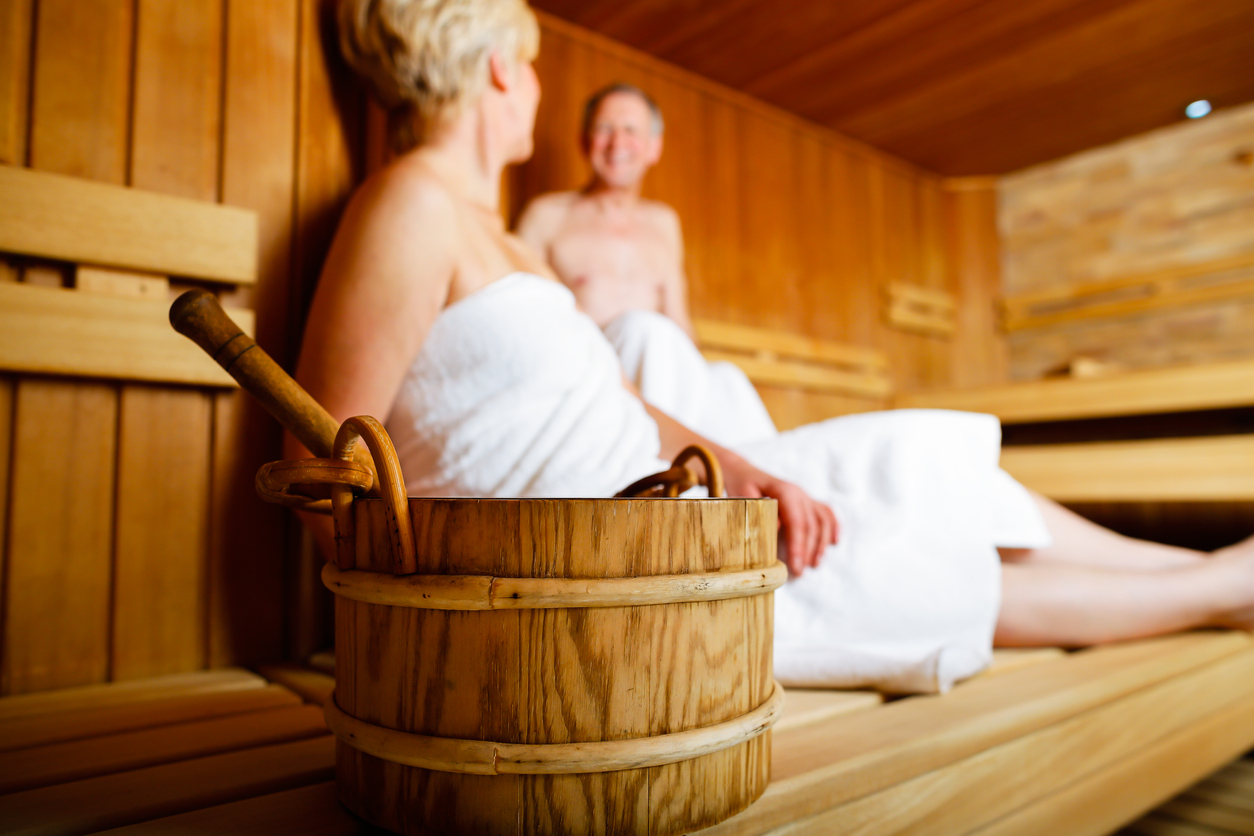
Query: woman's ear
499	75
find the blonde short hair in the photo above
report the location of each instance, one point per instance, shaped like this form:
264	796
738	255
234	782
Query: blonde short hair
427	59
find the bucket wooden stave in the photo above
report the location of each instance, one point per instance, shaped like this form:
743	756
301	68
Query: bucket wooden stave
559	675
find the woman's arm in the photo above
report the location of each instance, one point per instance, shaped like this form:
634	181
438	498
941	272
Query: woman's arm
384	282
809	526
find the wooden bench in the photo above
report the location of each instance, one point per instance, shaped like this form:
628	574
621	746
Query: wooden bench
1192	426
1043	743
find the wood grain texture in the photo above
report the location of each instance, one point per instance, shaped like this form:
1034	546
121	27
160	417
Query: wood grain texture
75	760
52	330
558	675
311	811
250	542
73	219
16	34
1104	799
1179	469
57	615
822	765
964	796
142	794
80	89
118	694
1175	389
94	721
957	86
161	535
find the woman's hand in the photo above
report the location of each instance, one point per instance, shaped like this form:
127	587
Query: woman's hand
808	525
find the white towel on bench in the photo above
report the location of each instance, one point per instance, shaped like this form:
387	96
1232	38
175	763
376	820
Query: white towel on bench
715	399
515	393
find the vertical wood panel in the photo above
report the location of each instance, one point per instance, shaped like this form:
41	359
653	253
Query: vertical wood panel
248	538
16	29
6	459
60	539
979	353
329	162
82	85
159	586
56	631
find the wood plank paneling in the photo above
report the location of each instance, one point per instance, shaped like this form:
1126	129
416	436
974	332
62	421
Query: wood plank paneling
56	630
248	538
81	88
16	29
161	584
160	580
958	86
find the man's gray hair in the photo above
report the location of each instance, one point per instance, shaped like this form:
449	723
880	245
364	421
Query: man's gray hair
594	104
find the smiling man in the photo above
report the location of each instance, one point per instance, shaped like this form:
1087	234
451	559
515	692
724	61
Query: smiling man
616	251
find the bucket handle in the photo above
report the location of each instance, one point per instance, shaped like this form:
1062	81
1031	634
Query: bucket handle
342	475
680	477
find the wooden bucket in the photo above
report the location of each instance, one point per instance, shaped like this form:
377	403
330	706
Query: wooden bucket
548	665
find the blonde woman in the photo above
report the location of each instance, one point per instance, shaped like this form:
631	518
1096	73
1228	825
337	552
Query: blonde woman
430	315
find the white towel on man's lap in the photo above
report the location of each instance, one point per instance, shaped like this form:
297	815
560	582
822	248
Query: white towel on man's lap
515	393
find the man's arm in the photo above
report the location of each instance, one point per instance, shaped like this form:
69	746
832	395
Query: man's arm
674	289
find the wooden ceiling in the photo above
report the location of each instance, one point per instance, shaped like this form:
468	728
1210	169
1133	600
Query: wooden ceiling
960	87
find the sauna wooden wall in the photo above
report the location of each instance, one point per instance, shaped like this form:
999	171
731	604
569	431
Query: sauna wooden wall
133	544
1164	222
787	225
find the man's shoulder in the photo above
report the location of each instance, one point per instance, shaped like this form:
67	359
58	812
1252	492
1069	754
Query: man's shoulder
552	203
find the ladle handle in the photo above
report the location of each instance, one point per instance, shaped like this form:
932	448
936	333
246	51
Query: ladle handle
197	315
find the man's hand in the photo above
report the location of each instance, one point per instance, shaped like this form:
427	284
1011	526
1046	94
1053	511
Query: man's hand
808	526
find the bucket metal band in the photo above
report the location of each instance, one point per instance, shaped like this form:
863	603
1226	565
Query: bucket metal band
485	757
485	592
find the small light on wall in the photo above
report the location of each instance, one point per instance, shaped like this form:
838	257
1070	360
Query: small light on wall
1197	109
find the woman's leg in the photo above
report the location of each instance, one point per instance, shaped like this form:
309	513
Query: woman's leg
1058	603
1079	542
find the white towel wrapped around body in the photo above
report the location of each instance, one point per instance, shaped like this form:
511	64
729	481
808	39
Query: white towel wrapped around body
516	393
715	399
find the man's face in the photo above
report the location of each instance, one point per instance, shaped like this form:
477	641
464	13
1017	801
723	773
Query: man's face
621	144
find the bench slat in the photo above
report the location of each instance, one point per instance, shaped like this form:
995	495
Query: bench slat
803	376
1102	800
140	795
74	760
1180	389
70	219
957	798
122	693
824	764
748	339
41	730
313	686
1176	469
309	811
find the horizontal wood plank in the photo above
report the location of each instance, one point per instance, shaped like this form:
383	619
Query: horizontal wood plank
74	760
1177	389
312	685
68	332
746	338
822	765
1102	800
94	721
998	781
111	694
1175	469
107	801
805	376
803	706
310	811
82	221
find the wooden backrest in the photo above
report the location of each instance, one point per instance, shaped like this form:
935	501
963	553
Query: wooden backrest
117	250
115	502
791	360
